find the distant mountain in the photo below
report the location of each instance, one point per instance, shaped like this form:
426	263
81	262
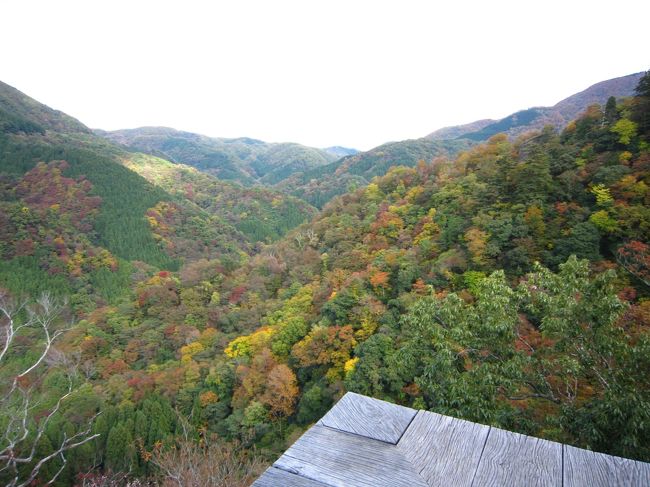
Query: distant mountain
79	212
321	184
338	151
536	118
248	161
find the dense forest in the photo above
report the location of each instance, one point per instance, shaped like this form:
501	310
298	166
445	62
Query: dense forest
245	160
508	285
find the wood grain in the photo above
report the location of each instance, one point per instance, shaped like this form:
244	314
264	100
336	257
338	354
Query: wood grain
445	451
513	459
372	443
274	477
587	468
368	417
341	459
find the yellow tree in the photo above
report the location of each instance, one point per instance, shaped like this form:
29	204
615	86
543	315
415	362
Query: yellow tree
476	244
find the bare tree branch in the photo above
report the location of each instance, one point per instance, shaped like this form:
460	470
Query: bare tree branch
23	432
210	461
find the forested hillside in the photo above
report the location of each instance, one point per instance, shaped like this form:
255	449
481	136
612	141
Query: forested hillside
321	184
245	160
536	118
508	285
49	158
259	213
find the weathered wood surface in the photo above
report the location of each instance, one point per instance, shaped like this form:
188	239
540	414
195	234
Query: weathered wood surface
274	477
368	417
513	459
444	450
371	443
342	459
587	468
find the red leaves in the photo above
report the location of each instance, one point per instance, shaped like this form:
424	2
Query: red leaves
236	294
634	256
44	189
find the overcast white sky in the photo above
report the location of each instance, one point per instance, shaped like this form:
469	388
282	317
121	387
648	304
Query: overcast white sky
353	73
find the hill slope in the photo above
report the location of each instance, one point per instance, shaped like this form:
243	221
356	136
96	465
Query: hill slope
447	286
20	113
261	214
164	219
320	185
536	118
245	160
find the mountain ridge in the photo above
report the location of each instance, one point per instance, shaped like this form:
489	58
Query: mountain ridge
243	159
535	118
16	106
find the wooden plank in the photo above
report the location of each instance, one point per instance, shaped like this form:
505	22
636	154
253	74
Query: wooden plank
274	477
587	468
369	417
341	459
513	459
444	450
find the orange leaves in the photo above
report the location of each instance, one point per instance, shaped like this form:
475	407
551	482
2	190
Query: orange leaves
630	190
252	378
420	288
387	224
281	391
379	279
113	367
207	398
273	384
534	218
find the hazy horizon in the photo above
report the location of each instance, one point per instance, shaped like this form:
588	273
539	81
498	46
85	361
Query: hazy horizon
320	74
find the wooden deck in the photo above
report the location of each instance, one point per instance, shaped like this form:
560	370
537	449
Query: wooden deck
371	443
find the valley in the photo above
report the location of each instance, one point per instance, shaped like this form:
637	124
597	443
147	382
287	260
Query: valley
216	296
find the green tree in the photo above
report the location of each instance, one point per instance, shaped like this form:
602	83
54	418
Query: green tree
641	104
461	355
532	180
611	111
374	373
313	404
625	129
120	449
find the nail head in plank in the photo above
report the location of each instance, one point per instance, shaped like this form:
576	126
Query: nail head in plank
513	459
446	451
340	459
368	417
588	468
274	477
